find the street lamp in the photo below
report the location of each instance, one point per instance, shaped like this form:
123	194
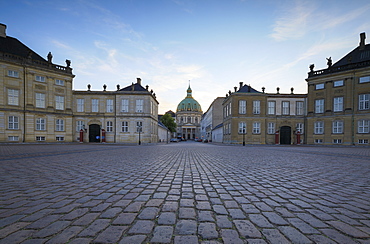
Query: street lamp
139	128
243	135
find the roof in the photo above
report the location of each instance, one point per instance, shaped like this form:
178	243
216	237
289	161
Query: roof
14	46
189	103
247	89
134	87
357	55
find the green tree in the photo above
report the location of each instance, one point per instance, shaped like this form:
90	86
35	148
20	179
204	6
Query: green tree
169	122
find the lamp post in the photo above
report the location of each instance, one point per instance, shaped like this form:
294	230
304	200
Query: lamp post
243	135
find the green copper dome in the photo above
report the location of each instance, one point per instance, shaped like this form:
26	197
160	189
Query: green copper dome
189	103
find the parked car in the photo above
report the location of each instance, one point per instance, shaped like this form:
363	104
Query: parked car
174	140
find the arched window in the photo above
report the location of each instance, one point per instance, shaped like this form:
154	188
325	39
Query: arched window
189	119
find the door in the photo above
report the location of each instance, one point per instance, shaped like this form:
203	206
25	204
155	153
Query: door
285	132
94	133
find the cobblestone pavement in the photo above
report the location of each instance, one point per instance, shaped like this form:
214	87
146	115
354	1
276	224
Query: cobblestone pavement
183	193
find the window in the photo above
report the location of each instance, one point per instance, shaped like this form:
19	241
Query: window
242	128
124	126
124	105
271	128
364	79
94	105
13	123
40	78
285	108
337	127
109	106
59	82
59	138
59	125
242	107
363	141
139	126
256	128
338	104
319	106
256	107
13	138
40	138
320	86
299	127
319	127
80	125
13	73
13	97
318	141
59	102
40	100
40	124
109	126
80	105
139	106
189	119
337	141
299	108
271	107
338	83
363	126
363	101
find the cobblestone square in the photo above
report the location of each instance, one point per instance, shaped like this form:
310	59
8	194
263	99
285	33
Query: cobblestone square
184	192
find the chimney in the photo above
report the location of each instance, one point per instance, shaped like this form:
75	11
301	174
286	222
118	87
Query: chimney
138	81
2	30
362	40
240	85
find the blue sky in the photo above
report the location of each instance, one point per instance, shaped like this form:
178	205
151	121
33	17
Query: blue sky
213	43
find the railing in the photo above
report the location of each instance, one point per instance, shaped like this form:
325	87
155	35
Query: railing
23	61
339	69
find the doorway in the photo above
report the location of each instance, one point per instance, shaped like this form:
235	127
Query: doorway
94	133
285	132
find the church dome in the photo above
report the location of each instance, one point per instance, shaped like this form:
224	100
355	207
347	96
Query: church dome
189	103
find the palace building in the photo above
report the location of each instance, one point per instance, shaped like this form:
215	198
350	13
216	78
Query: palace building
37	103
188	116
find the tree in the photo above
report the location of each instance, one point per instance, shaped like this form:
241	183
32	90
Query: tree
169	122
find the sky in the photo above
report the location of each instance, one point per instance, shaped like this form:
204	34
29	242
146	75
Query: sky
214	44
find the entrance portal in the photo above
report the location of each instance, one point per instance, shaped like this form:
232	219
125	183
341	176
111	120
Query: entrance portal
94	133
285	132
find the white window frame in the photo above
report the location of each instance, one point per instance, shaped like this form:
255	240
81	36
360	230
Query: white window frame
338	83
300	128
363	101
59	138
242	107
125	126
40	124
363	141
13	97
256	107
337	126
319	106
320	86
124	105
271	107
285	108
59	82
13	138
80	105
40	138
79	125
40	100
139	105
109	105
338	103
59	125
95	105
363	126
40	78
13	73
59	102
271	128
109	126
364	79
139	126
299	107
337	141
319	127
242	128
13	122
256	128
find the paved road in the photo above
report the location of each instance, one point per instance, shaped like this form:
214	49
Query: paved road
183	193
